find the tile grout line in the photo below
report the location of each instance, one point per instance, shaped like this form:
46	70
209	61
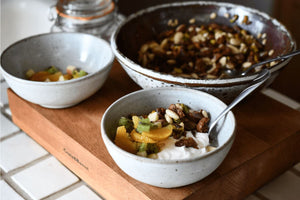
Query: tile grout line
281	98
27	165
17	188
295	171
7	176
4	113
260	196
98	194
63	191
10	135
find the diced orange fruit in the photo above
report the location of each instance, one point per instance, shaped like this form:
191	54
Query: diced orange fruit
43	75
140	137
68	76
39	76
135	120
122	140
55	77
159	134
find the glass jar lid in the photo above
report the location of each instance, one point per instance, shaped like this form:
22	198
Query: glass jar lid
84	10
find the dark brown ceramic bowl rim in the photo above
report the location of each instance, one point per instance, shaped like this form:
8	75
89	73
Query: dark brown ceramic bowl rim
130	64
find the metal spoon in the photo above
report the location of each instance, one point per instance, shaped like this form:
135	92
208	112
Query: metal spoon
233	72
260	79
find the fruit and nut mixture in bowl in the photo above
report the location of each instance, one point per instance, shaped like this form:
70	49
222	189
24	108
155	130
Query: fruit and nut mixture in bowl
159	136
176	132
53	73
203	51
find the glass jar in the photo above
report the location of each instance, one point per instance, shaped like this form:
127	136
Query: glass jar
96	17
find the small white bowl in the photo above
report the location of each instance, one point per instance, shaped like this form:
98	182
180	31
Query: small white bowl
84	51
167	173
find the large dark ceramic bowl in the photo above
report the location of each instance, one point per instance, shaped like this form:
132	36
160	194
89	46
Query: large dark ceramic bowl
145	24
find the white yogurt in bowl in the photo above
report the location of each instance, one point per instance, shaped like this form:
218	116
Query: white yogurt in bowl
171	152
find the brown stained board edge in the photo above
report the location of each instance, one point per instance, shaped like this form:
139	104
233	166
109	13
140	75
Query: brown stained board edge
229	185
22	115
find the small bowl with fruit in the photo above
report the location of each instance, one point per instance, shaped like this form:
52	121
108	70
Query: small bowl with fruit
57	70
159	136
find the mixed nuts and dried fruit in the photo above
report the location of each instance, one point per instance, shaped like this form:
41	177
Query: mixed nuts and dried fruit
176	132
53	74
204	51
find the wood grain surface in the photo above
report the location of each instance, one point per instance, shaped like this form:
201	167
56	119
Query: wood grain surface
267	144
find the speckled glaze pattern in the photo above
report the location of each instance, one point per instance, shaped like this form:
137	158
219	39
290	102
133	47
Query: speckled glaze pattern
38	52
224	93
166	173
145	24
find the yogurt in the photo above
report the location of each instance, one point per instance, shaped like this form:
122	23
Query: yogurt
171	152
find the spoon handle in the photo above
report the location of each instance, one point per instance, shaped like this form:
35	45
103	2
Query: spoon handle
285	56
260	79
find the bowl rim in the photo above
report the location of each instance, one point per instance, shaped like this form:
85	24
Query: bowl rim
130	64
110	143
107	64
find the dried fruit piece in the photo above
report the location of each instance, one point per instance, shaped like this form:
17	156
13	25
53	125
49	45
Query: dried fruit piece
159	134
123	141
140	137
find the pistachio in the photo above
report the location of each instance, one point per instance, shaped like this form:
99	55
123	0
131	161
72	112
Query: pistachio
223	60
264	42
172	22
178	37
270	53
234	18
235	41
192	21
172	114
233	49
168	119
247	64
153	117
164	43
204	113
213	15
230	65
171	61
273	63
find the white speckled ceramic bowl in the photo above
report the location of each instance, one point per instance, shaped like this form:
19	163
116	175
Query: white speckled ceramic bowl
38	52
166	173
145	24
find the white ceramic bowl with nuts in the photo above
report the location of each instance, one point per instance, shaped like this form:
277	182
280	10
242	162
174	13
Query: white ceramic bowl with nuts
86	52
147	24
167	173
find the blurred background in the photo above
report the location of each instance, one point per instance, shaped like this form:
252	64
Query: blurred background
285	11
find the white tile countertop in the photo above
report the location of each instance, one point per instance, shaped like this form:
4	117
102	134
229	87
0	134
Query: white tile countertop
28	171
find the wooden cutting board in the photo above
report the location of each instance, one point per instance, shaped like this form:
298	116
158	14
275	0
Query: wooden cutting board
267	144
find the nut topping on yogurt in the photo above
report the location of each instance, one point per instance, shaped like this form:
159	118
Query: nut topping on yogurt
172	133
